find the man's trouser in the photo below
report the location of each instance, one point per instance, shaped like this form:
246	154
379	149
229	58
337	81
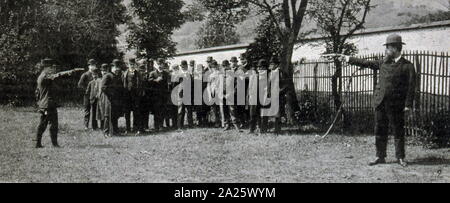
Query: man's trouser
87	110
216	112
48	117
111	125
94	115
133	104
182	110
228	114
242	114
389	117
202	115
256	118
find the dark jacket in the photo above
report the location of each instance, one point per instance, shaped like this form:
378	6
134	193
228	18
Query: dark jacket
45	93
85	79
138	79
93	90
112	93
396	81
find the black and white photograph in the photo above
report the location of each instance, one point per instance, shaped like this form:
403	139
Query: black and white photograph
254	92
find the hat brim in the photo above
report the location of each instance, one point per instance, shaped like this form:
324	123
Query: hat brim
402	43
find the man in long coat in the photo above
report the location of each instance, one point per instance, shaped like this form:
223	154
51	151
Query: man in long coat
83	83
112	93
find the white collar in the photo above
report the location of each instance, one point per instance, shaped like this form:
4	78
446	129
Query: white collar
398	58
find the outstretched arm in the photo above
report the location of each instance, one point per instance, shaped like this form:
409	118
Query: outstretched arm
373	64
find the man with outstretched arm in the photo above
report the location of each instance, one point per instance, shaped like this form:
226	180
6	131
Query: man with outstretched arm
394	97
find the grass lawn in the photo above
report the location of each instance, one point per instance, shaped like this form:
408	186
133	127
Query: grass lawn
199	155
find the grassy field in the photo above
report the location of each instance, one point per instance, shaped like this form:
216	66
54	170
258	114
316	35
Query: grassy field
199	155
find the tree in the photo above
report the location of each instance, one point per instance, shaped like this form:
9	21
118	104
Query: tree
287	19
153	26
70	31
216	31
337	21
266	44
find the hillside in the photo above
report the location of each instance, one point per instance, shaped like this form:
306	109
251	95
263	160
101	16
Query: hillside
385	13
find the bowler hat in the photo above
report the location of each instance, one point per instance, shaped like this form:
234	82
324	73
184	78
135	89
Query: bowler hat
209	59
184	63
214	62
116	62
92	62
394	39
234	59
104	67
225	63
192	63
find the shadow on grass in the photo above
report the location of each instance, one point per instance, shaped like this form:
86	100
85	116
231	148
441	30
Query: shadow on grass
430	161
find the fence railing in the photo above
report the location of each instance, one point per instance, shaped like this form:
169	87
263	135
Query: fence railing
432	87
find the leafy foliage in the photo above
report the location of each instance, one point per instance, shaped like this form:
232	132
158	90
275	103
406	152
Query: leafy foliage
266	44
216	31
68	31
220	26
152	30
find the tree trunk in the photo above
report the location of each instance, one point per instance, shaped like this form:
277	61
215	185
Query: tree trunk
288	81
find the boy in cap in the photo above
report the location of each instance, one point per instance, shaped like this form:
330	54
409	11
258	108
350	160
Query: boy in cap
92	91
83	83
101	97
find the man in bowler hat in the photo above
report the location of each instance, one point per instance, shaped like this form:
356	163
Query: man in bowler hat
394	96
83	84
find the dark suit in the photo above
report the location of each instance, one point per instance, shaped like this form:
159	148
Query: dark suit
112	91
47	107
160	92
132	83
394	92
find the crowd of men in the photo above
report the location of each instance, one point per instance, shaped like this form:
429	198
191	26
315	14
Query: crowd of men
144	88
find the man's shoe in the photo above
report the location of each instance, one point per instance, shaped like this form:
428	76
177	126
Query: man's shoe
38	146
402	163
377	161
56	146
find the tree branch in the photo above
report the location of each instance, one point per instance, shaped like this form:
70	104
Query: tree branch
360	24
287	18
268	8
